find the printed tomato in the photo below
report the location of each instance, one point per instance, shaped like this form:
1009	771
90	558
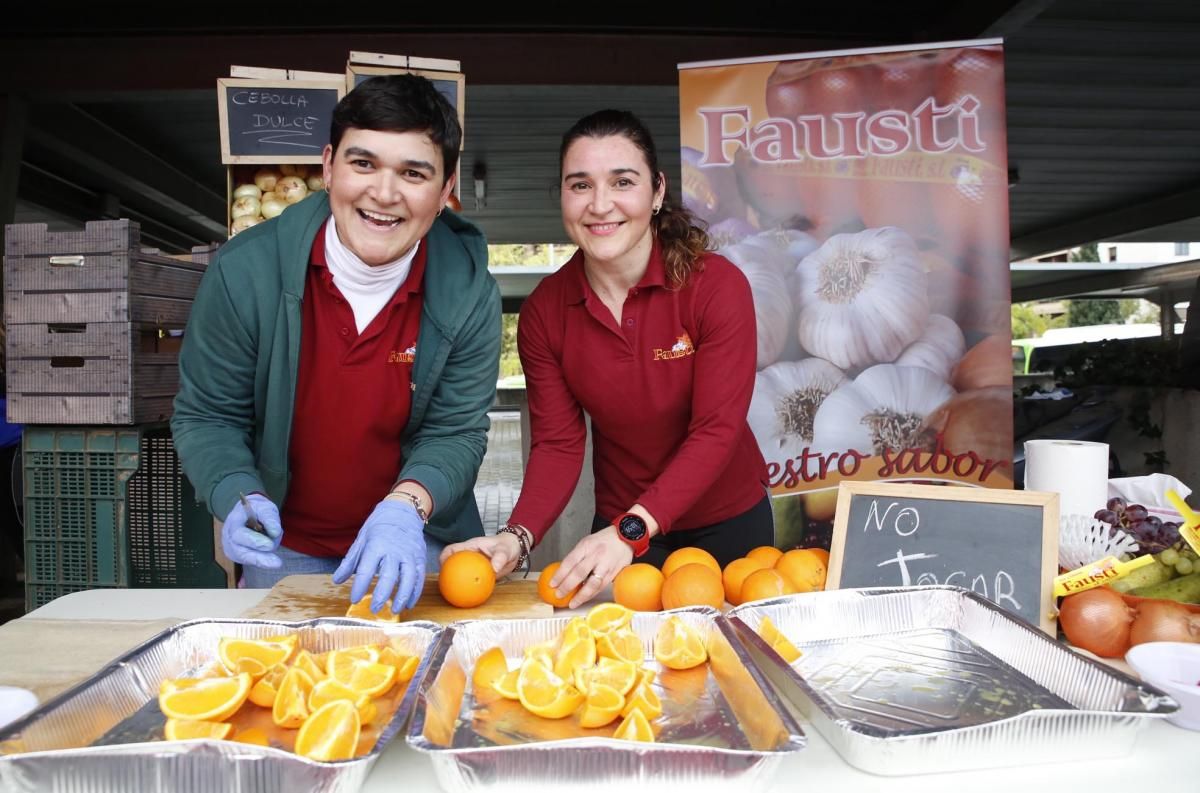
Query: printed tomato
980	73
902	83
805	88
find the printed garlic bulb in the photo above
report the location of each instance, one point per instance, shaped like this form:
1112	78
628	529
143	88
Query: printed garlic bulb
861	298
765	261
885	406
785	402
940	347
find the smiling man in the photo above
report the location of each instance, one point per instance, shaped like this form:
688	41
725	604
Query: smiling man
340	361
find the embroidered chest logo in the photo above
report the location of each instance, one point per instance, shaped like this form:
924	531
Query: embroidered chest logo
408	356
680	349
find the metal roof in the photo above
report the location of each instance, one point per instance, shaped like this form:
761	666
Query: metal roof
119	117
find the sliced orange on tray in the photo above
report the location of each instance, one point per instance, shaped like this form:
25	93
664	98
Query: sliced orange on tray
210	699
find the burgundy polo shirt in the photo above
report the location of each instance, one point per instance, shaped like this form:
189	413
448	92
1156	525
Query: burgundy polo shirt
667	391
353	396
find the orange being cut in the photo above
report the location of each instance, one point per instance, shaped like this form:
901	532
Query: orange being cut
547	593
188	729
689	555
639	587
635	728
466	579
678	645
331	733
693	585
210	699
362	610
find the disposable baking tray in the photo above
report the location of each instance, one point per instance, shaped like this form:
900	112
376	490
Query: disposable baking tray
105	733
928	679
719	726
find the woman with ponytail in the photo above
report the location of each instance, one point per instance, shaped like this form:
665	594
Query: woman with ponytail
653	337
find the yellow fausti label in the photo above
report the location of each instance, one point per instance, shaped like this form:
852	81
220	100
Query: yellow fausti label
1191	520
1096	574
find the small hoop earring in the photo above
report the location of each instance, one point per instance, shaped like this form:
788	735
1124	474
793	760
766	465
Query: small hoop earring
440	211
326	189
656	210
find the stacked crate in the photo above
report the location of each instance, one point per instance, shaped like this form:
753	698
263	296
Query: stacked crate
87	314
94	324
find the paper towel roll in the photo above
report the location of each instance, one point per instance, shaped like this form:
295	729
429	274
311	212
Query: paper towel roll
1076	470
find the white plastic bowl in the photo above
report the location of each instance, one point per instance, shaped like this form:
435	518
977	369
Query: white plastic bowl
15	703
1173	667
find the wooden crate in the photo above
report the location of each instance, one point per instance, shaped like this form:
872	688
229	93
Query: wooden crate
100	274
94	323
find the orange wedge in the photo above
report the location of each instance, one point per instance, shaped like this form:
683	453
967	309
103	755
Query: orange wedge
507	685
602	706
544	693
365	677
290	708
362	610
211	699
489	668
331	733
578	652
328	690
678	645
266	652
621	675
635	728
622	644
251	735
264	690
304	660
779	643
606	617
644	699
187	729
406	665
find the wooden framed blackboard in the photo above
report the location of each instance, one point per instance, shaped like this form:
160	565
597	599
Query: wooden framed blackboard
1002	544
275	121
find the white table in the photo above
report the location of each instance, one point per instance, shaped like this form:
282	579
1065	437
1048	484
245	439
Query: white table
1163	761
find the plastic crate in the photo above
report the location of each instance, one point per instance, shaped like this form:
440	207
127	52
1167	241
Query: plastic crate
110	507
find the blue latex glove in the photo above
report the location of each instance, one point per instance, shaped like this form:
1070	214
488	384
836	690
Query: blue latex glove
243	544
391	544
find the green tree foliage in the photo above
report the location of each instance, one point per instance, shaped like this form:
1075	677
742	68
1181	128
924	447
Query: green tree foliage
1026	323
1093	312
510	362
536	254
1085	253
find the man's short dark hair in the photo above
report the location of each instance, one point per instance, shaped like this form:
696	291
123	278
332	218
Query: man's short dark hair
400	103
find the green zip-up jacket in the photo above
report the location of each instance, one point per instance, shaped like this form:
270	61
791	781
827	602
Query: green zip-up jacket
241	353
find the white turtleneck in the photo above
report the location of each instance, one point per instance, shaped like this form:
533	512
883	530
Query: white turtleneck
367	289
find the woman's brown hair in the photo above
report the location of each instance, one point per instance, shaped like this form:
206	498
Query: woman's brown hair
681	238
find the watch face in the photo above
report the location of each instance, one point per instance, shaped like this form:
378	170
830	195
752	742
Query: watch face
632	528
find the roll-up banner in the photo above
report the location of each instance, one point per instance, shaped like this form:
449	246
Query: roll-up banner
864	194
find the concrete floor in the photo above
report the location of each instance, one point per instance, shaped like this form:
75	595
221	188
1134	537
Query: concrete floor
499	482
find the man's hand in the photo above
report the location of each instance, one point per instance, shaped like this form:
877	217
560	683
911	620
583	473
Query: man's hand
243	544
391	544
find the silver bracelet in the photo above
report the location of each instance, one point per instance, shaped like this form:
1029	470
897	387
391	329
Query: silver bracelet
519	532
412	498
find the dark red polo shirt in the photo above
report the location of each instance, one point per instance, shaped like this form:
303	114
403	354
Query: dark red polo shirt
353	396
667	391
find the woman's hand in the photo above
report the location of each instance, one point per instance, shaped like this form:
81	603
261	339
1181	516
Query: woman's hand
594	561
502	549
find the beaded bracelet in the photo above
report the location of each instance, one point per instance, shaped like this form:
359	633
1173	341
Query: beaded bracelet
519	533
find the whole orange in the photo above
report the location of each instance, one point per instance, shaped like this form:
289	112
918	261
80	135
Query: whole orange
466	579
765	583
803	569
735	575
821	552
639	587
690	555
769	554
693	584
546	592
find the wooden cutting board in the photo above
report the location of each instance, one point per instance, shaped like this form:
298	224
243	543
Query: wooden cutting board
302	597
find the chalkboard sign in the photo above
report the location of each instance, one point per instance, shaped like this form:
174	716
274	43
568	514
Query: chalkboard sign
275	121
1002	544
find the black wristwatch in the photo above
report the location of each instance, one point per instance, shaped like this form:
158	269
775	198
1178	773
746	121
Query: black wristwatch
633	532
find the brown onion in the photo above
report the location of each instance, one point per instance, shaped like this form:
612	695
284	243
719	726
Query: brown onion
1164	621
1098	621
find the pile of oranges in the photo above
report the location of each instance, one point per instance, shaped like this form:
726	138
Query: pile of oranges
692	577
328	699
593	669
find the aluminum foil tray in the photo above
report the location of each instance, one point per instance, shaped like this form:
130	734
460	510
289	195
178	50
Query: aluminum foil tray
927	679
105	733
720	723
